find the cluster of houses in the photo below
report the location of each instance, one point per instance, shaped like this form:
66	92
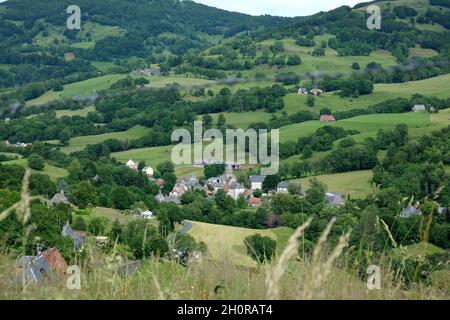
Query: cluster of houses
227	182
148	72
17	144
135	166
315	92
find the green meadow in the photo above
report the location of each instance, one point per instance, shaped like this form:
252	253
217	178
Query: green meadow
227	243
368	125
79	143
71	113
153	156
294	103
91	86
53	172
97	32
356	184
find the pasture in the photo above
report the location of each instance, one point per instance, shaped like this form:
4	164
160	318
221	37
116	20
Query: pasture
85	88
79	143
226	243
356	184
53	172
367	125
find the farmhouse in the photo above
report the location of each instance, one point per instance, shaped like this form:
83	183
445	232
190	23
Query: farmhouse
316	92
327	118
148	171
132	165
419	108
59	198
411	211
236	190
21	145
147	214
334	199
256	182
159	197
254	202
49	264
78	238
283	187
148	72
303	91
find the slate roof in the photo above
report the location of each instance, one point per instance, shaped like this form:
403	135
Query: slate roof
419	107
257	178
67	231
49	263
410	212
334	199
58	198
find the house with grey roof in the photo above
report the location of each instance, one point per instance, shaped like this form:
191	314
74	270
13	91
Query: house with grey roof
48	264
159	197
235	190
31	269
411	211
148	72
256	182
77	238
172	198
58	198
419	108
303	91
283	186
334	199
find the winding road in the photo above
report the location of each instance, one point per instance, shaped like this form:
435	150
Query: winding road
187	225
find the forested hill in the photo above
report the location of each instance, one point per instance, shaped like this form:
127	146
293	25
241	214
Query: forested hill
139	21
39	53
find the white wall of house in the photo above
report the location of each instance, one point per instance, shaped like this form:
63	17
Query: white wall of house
256	185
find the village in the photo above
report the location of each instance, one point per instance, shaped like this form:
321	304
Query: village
228	182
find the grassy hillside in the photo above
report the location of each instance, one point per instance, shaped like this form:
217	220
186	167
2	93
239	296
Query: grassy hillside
79	143
357	184
89	87
153	157
225	243
294	103
368	125
53	172
71	113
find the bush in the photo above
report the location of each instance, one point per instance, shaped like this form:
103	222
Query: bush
260	249
36	162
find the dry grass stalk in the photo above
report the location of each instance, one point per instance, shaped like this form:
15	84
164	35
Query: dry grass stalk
389	233
325	269
274	275
158	287
319	246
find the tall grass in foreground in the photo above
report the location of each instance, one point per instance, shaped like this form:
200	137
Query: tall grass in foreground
327	274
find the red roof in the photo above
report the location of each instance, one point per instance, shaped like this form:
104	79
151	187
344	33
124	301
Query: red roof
255	201
327	118
54	258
